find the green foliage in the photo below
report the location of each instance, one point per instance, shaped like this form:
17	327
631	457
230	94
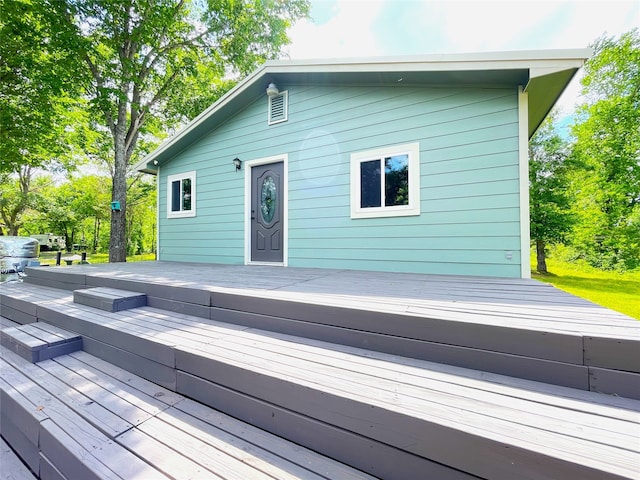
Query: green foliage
35	88
606	182
17	196
145	62
551	219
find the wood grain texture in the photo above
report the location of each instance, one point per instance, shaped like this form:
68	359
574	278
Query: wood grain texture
12	468
167	433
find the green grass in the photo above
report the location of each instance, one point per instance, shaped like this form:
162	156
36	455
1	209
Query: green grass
617	291
49	258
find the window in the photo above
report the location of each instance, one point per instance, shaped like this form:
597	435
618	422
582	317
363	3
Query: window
278	108
181	195
385	182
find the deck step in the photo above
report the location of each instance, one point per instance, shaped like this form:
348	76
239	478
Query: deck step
39	341
94	420
387	415
109	299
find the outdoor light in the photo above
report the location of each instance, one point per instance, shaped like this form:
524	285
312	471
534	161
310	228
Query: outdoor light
238	163
272	90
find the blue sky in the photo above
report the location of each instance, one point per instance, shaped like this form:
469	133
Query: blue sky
370	28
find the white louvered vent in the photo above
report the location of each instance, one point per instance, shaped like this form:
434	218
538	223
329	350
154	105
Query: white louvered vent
278	106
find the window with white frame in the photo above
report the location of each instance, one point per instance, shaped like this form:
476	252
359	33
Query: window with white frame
181	195
385	182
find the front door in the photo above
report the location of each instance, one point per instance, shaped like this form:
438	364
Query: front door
266	213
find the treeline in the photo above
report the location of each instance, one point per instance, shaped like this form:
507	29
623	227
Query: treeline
585	183
79	209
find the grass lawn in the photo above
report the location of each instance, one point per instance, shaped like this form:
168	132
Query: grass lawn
617	291
49	258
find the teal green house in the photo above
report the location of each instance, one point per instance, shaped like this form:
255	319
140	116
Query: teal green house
408	164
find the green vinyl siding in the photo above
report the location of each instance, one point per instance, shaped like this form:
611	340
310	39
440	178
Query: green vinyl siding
470	216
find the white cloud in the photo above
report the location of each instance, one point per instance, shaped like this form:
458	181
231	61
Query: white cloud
347	33
372	28
365	28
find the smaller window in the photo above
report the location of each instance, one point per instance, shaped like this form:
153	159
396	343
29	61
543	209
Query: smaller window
278	108
385	182
181	195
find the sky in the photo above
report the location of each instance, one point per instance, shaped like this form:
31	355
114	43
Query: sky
379	28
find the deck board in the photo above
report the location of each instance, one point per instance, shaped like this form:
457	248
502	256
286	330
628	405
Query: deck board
179	437
6	323
497	417
75	403
12	468
343	399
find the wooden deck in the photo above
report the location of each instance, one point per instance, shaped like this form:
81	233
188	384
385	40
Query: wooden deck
515	327
84	418
337	363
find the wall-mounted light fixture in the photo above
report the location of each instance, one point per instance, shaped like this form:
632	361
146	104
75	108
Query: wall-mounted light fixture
272	90
238	163
155	162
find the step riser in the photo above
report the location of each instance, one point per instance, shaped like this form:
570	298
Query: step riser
371	456
45	353
109	300
36	343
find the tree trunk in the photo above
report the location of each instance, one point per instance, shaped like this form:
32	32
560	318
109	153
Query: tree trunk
118	238
96	235
541	256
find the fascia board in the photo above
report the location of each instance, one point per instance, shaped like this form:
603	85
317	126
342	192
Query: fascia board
193	124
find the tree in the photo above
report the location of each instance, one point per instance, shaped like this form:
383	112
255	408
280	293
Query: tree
607	150
36	106
15	198
139	55
34	88
141	216
549	212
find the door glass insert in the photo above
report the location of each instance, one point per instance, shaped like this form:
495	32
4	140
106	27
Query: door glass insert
268	199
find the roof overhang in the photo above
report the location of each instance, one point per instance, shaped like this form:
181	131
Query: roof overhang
543	74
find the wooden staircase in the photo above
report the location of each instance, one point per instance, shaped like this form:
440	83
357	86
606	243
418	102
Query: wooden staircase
357	385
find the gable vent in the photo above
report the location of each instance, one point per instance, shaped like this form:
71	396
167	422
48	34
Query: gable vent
278	106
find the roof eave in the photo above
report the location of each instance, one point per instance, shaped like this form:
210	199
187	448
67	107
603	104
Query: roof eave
547	82
553	69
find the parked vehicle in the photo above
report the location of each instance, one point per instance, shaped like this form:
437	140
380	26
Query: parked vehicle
49	241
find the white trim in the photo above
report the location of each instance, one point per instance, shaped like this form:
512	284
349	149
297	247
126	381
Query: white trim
413	151
523	163
182	213
158	215
248	165
551	59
